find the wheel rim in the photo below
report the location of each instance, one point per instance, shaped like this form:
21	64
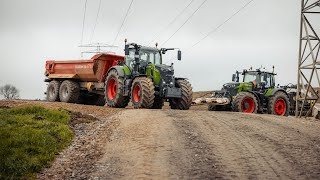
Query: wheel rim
51	91
280	107
247	105
112	88
65	91
136	93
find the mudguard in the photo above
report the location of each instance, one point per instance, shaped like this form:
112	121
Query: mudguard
275	90
122	70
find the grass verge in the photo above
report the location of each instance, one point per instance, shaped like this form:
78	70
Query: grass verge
30	137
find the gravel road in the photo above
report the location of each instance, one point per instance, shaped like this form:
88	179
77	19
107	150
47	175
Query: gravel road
203	145
194	144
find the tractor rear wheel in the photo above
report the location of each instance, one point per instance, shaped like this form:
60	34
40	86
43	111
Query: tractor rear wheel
279	104
142	93
53	91
245	102
69	91
114	90
158	103
185	101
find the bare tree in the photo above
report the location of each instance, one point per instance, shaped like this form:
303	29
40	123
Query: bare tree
9	92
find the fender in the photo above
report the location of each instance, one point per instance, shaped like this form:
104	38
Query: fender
275	90
122	70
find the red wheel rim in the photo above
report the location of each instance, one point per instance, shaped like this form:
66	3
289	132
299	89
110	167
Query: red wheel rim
112	88
247	105
136	93
280	107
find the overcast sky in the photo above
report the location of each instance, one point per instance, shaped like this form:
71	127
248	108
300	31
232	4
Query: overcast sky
265	33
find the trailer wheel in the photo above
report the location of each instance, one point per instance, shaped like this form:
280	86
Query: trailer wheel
69	91
53	91
185	101
158	103
245	102
142	93
279	104
114	91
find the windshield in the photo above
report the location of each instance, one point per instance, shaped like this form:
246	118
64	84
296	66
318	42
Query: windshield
250	76
153	57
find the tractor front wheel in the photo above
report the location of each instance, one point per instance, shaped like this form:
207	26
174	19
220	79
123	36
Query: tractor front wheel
279	104
185	101
245	102
114	90
142	93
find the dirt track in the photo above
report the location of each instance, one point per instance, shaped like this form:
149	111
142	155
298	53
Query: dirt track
194	144
199	145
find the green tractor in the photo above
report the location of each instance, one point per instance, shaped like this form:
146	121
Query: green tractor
256	93
145	80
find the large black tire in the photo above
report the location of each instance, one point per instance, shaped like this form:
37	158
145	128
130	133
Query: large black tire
114	96
279	104
69	91
185	101
158	103
212	107
142	93
53	91
245	102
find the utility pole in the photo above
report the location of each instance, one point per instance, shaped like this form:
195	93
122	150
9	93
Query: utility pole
96	48
309	61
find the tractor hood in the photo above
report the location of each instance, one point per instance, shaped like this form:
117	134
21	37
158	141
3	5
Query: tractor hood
232	85
165	70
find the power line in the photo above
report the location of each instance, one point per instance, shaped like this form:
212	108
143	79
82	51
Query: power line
124	19
223	23
218	27
84	19
174	19
96	22
185	22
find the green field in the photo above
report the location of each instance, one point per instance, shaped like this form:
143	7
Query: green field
30	137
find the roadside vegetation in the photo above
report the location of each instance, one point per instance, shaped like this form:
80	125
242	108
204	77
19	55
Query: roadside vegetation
30	137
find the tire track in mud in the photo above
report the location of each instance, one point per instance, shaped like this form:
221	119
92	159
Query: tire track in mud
197	159
292	148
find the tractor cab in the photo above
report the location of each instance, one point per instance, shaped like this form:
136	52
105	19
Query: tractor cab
260	79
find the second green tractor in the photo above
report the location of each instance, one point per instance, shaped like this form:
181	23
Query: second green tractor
255	93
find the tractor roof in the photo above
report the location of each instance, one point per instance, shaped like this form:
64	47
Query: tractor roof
258	71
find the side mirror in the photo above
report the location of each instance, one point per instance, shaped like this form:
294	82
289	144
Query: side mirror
126	50
179	55
234	78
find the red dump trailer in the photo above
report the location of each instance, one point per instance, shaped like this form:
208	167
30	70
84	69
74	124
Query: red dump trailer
79	81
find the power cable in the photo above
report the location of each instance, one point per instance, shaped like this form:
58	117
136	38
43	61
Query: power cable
84	19
223	23
124	19
96	22
219	26
173	20
185	22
